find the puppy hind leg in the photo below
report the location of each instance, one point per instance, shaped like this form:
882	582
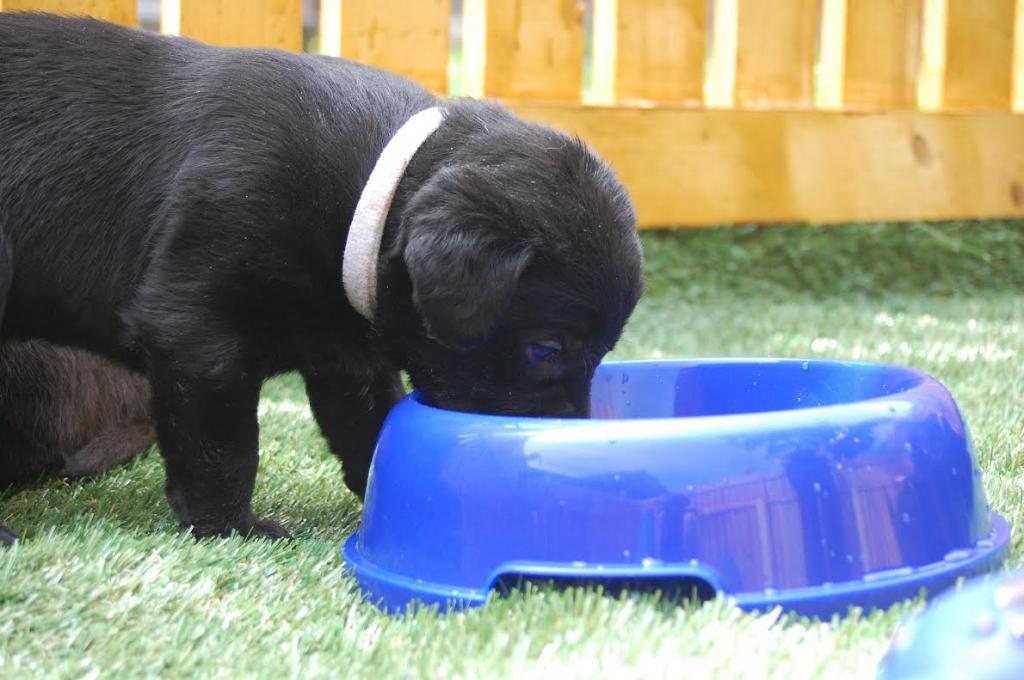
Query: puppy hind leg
7	537
107	450
21	462
350	416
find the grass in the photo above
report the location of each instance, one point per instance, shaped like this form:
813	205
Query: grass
104	583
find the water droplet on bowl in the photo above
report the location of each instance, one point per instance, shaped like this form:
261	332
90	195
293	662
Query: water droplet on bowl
805	365
906	518
907	447
649	562
817	487
957	555
625	553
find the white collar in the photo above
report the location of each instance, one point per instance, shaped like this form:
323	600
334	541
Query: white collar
362	246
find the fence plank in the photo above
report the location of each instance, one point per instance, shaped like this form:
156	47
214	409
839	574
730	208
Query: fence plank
410	38
532	49
775	52
118	11
883	53
979	54
694	167
658	49
243	23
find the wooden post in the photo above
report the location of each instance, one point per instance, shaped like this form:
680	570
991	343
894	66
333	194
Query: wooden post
650	51
775	53
524	49
410	38
117	11
979	54
236	23
883	53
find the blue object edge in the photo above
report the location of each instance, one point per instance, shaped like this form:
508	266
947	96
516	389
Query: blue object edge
398	594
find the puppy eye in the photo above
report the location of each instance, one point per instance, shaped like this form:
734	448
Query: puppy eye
543	350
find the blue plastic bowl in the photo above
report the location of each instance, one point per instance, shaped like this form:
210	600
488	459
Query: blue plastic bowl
815	485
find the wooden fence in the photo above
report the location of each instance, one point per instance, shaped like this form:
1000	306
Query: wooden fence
712	111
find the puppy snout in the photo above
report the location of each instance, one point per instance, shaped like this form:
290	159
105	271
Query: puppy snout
569	409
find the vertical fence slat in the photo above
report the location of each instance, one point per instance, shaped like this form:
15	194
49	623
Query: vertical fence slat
330	28
660	50
243	23
531	49
979	54
775	52
932	74
1018	59
829	70
720	78
883	52
604	48
410	38
117	11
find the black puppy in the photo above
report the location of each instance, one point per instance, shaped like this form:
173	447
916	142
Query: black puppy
184	210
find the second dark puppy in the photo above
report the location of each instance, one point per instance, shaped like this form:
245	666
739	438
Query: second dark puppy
185	209
66	413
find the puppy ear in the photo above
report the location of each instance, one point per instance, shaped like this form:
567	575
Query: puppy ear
462	282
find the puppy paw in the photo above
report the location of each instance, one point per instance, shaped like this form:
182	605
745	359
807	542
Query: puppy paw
250	526
7	537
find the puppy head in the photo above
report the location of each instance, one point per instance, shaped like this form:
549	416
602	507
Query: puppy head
523	265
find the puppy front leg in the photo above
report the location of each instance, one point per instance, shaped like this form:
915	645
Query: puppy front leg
350	417
209	438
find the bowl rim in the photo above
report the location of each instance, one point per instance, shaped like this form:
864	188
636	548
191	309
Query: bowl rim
923	381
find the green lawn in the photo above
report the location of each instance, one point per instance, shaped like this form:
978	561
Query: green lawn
105	584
